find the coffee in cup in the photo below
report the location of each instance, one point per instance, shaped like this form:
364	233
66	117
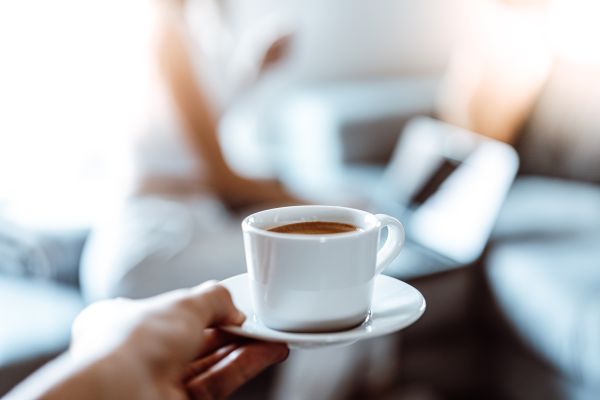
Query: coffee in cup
313	268
314	228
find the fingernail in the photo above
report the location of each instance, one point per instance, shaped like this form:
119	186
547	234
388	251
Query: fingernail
240	318
284	353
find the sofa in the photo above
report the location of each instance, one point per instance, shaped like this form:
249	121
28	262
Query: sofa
541	275
39	296
528	315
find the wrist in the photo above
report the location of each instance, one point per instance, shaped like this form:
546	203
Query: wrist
66	377
115	375
90	379
98	379
224	179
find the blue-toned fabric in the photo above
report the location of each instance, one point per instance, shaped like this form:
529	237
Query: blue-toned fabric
35	318
40	253
544	271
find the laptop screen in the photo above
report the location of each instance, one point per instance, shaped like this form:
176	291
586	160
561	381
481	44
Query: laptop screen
447	185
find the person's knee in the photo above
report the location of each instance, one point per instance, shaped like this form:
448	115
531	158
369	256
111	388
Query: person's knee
109	272
156	249
118	263
134	271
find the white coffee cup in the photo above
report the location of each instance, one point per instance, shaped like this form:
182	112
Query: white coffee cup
314	282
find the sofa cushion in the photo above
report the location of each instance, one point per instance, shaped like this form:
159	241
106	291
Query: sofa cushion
35	318
51	254
539	207
544	272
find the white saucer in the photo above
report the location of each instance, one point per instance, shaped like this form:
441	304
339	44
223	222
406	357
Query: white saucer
396	305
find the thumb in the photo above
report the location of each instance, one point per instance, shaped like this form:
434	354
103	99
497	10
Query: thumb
213	305
188	313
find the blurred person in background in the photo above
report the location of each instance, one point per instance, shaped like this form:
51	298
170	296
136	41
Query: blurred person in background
495	74
178	225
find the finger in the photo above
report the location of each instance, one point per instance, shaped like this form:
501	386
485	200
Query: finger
204	306
214	339
186	313
201	365
276	51
236	369
213	305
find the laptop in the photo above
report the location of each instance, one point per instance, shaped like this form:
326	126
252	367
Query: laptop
447	185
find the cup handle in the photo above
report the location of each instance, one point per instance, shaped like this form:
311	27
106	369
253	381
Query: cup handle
393	243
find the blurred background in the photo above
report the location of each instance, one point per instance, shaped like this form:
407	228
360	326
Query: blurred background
473	121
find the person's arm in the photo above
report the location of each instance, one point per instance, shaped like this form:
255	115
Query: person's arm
163	347
199	118
496	74
193	107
